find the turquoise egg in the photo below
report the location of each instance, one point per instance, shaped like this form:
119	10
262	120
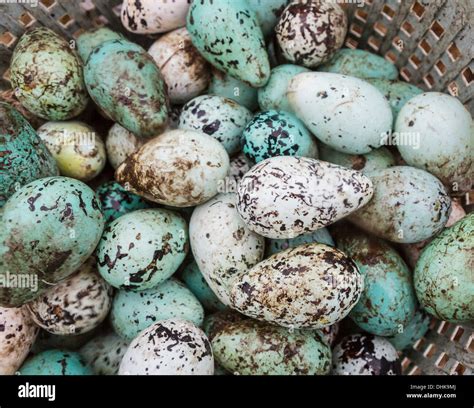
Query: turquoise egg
90	39
133	312
55	362
228	35
273	94
124	81
277	245
273	133
215	322
360	64
443	274
23	156
268	12
412	332
117	201
143	248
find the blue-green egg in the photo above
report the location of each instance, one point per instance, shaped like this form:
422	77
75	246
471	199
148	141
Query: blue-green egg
412	332
55	362
90	39
268	12
277	245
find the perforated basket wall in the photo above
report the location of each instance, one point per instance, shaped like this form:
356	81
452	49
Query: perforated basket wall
431	42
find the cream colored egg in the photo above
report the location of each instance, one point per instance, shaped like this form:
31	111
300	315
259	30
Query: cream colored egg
120	144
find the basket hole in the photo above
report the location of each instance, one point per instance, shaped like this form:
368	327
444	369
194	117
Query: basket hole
356	30
458	369
425	47
390	56
7	39
453	89
443	327
380	29
77	33
470	344
117	10
418	10
48	4
437	30
405	363
415	61
6	75
440	68
430	350
398	43
65	21
374	43
406	75
442	360
361	15
457	334
419	345
453	52
388	12
429	80
407	28
87	5
467	76
100	21
351	43
415	371
26	19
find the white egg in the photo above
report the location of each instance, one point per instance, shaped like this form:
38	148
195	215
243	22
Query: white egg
120	144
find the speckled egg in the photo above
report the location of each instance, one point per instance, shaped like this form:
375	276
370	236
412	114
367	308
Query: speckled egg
154	16
239	166
365	354
46	74
321	236
273	133
17	335
23	156
69	342
142	249
90	39
120	144
412	332
124	81
268	13
222	245
339	110
255	348
228	35
443	274
409	205
49	229
310	33
310	286
8	96
55	362
219	117
446	133
169	347
329	334
75	305
215	322
284	197
180	168
360	64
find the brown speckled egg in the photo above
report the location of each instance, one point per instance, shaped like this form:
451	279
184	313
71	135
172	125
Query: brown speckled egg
120	144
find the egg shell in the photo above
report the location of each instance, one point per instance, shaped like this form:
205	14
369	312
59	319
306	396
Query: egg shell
321	236
219	117
23	156
339	110
49	228
284	197
309	33
17	335
255	348
443	274
412	332
154	16
169	347
180	168
55	362
310	286
120	144
66	342
90	39
47	76
329	334
446	133
268	13
222	245
228	35
365	354
215	322
8	96
273	133
124	81
143	248
409	205
239	166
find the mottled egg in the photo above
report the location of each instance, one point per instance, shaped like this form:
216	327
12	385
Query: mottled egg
443	274
120	144
239	165
227	34
310	286
284	197
412	332
339	110
169	347
273	133
55	362
8	96
90	39
365	354
46	74
219	117
215	322
409	205
277	245
69	342
329	333
180	168
309	33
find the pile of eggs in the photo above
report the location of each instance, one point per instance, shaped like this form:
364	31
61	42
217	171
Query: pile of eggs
263	217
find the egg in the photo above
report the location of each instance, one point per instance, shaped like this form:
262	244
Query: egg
268	12
65	342
310	286
216	322
180	168
284	197
309	33
222	245
228	35
185	72
365	354
143	248
23	156
90	39
76	305
154	16
55	362
273	133
443	274
273	94
120	144
47	76
219	117
339	111
49	228
255	348
412	332
124	81
17	336
8	96
277	245
446	138
329	334
409	205
169	347
360	64
239	166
